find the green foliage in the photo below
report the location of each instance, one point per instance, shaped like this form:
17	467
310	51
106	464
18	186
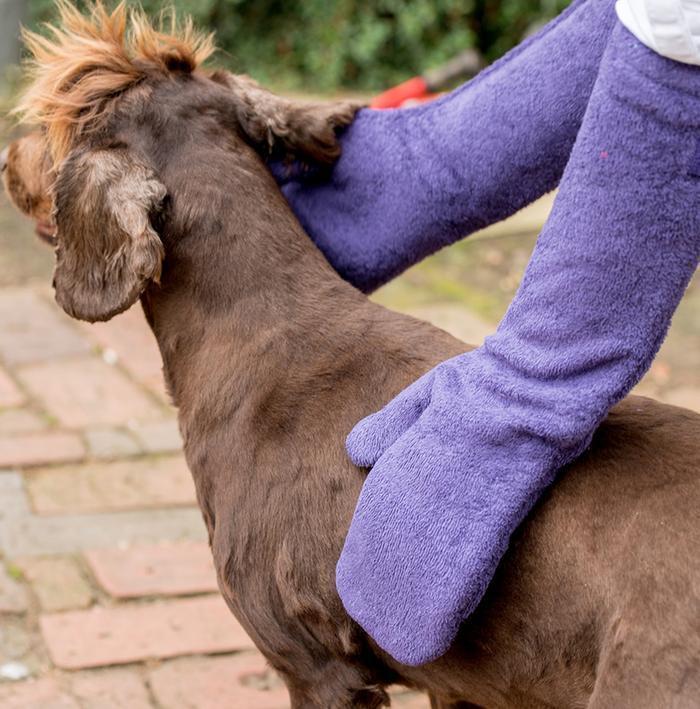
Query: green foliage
324	45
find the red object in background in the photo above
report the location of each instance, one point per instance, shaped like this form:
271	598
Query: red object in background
427	87
396	96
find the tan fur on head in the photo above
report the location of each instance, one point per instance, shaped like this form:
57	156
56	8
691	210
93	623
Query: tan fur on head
88	59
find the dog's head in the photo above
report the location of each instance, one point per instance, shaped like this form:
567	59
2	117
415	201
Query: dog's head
112	97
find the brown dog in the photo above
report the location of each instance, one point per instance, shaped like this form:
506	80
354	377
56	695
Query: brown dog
150	172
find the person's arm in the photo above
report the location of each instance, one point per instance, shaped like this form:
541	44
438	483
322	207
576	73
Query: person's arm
410	181
461	456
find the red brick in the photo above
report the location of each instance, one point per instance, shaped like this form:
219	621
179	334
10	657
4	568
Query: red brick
43	693
34	330
130	338
110	689
10	395
110	443
87	392
13	596
159	436
659	373
108	487
455	319
40	449
20	421
18	642
241	681
120	485
133	633
401	698
57	583
165	569
686	397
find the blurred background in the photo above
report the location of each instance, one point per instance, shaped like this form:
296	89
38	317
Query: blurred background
107	595
327	45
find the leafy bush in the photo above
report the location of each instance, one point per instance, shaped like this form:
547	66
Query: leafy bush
362	44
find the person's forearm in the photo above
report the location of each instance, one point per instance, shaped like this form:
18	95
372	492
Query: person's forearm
463	454
410	181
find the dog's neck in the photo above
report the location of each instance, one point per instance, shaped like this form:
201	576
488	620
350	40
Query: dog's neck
239	287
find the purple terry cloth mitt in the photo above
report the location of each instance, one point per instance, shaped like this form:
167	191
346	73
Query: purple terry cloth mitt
410	181
463	454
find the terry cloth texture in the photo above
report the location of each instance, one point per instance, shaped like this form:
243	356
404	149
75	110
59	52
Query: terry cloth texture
669	27
462	455
411	181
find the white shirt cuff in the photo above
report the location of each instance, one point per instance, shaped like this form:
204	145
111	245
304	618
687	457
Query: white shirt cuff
669	27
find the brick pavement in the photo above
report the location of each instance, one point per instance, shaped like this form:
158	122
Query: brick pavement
107	592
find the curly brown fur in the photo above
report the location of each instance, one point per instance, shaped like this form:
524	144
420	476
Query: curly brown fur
271	359
88	60
291	129
27	177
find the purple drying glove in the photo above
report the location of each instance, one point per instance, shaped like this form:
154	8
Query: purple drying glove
461	456
410	181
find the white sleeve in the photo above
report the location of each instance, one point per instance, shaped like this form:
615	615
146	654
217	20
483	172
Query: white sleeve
669	27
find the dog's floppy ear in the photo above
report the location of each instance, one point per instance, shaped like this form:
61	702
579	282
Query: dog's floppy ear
289	130
107	250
